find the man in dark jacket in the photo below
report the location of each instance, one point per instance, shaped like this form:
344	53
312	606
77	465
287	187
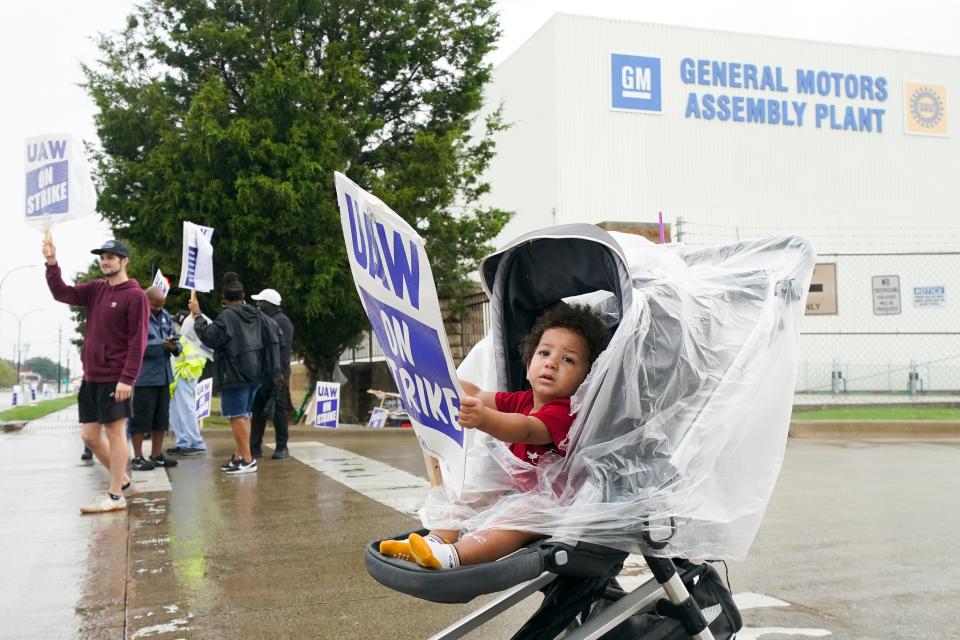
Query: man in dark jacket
273	400
151	402
246	354
113	344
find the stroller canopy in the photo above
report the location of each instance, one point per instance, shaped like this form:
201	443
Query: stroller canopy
682	422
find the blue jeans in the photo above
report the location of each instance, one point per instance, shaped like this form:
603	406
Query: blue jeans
237	402
183	415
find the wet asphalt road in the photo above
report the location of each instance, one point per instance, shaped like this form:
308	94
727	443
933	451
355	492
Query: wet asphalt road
858	542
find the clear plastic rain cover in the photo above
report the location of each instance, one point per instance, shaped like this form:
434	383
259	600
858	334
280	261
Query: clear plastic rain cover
682	422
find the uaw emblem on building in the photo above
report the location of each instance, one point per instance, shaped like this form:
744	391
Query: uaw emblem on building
925	109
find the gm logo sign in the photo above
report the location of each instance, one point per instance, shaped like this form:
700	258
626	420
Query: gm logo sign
634	83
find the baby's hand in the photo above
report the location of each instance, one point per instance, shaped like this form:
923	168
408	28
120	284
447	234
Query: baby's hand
471	412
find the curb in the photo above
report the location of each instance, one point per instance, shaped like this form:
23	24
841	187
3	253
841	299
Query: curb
12	425
876	429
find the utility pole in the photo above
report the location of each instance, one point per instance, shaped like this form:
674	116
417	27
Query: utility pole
59	354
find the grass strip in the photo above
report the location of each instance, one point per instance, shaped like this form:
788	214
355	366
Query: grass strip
42	408
879	413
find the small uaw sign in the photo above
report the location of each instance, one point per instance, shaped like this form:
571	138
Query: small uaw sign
196	261
160	282
378	418
886	295
58	185
202	396
328	405
396	287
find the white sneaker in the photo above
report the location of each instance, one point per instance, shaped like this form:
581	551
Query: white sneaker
132	490
242	467
104	503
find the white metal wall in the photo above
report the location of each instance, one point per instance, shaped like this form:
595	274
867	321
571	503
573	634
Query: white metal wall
525	170
617	165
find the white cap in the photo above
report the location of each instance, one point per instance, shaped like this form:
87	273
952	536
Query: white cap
268	295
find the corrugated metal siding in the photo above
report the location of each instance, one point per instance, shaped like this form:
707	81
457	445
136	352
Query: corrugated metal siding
524	172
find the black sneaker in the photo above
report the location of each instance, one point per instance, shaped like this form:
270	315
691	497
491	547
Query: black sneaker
241	467
229	464
87	454
280	453
160	461
142	465
256	453
192	451
175	451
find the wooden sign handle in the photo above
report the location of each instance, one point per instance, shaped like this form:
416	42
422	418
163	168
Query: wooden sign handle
433	470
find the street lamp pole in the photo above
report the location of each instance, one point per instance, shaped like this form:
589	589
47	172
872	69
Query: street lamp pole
20	320
4	279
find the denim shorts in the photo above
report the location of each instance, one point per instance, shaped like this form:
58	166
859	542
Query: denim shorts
237	402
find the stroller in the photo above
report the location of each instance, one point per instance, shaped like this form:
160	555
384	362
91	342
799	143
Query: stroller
664	455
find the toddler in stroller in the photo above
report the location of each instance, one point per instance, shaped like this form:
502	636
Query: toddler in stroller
557	354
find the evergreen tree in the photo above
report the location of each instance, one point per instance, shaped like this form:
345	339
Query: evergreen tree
46	367
235	114
8	374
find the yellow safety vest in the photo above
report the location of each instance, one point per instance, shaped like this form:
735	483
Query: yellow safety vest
188	365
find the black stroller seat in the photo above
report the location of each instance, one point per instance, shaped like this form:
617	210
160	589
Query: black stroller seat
463	584
677	393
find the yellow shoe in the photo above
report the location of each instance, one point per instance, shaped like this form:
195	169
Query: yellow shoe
397	549
422	552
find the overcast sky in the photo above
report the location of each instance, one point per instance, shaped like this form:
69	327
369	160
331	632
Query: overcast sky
42	47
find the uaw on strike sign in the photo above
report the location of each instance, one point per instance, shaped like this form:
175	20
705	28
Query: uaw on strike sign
396	287
58	185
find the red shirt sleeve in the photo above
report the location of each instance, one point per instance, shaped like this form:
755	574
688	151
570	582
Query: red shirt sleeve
77	295
555	416
514	401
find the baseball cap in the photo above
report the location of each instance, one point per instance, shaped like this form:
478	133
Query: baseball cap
268	295
115	247
180	316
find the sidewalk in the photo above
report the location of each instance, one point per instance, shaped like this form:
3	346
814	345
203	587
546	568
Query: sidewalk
276	554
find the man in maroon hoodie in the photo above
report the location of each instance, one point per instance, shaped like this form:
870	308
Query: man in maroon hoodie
113	345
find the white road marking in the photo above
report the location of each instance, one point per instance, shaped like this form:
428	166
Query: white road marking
391	487
748	633
152	481
749	600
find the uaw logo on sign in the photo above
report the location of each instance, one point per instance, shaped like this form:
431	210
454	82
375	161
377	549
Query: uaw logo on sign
925	109
635	83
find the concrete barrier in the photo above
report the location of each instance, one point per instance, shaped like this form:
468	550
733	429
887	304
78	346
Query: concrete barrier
876	429
12	425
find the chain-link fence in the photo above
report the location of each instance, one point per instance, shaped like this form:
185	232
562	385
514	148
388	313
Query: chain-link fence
892	326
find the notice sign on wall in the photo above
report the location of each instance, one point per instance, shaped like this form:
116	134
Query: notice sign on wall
886	295
822	298
930	297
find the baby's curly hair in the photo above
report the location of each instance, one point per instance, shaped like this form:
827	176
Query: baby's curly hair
576	318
